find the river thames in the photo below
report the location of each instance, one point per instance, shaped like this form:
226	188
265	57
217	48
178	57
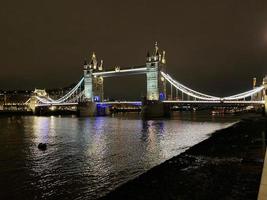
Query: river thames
88	157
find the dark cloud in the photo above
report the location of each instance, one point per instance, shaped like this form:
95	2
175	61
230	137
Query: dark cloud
213	46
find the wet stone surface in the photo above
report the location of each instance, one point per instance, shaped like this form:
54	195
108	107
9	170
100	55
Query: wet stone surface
228	165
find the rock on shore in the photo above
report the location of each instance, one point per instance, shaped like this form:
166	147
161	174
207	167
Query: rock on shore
228	165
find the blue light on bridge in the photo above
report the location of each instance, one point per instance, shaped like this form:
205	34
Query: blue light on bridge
96	99
101	106
161	96
137	104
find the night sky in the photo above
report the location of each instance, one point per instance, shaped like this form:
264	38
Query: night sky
216	47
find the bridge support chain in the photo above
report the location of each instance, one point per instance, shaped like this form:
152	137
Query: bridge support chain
154	109
92	109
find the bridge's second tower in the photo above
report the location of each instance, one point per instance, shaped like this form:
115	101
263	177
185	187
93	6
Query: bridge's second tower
156	84
93	85
93	88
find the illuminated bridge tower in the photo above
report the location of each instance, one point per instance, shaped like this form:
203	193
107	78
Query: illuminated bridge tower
93	88
156	84
152	106
93	85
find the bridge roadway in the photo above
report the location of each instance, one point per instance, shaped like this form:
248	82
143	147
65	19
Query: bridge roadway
122	72
215	102
139	103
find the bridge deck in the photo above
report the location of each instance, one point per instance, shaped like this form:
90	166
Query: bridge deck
122	72
213	102
167	102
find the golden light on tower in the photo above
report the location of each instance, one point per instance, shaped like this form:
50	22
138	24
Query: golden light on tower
156	47
254	82
93	56
163	60
100	68
94	61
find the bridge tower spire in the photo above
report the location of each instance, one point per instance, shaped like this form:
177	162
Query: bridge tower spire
156	85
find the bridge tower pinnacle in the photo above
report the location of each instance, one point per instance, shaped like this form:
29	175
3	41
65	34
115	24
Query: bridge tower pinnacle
156	84
254	82
93	85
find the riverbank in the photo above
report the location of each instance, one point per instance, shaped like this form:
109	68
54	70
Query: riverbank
228	165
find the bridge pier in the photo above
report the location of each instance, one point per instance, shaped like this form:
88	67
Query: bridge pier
92	109
154	109
87	109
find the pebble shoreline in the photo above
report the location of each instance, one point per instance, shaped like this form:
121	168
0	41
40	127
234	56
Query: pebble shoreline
228	165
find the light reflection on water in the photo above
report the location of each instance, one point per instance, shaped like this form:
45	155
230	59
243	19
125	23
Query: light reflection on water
87	157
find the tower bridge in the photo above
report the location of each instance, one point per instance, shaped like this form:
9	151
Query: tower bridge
88	93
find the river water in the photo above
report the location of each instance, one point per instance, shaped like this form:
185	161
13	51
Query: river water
88	157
